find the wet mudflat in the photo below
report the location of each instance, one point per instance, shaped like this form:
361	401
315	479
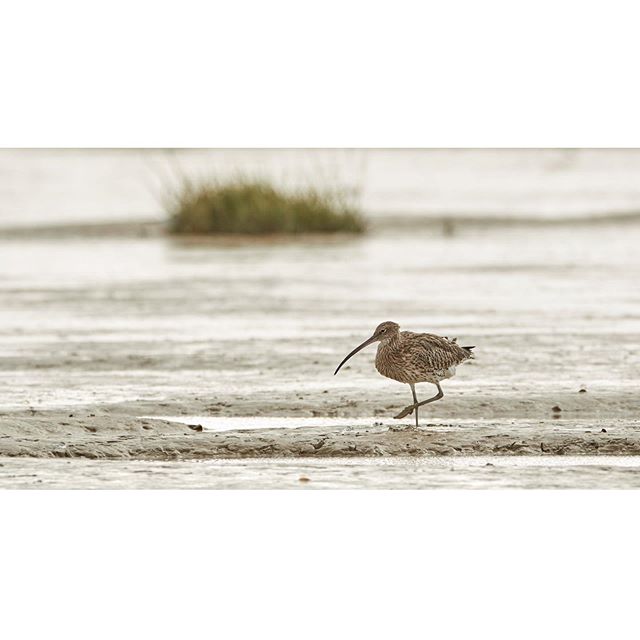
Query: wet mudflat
153	327
492	472
161	328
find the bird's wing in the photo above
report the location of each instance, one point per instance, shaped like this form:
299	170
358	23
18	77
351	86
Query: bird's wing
438	352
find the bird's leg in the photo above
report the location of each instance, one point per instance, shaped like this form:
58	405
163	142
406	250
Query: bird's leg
407	410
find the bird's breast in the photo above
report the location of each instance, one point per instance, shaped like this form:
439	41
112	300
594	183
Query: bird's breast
392	362
399	361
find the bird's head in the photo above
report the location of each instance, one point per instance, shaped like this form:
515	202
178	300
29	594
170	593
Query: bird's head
383	332
386	330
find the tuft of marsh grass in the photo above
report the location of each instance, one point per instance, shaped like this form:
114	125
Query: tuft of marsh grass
254	207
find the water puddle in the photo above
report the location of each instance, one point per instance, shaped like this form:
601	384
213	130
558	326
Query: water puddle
245	423
221	423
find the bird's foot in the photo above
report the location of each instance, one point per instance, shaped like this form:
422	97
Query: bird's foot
405	412
400	428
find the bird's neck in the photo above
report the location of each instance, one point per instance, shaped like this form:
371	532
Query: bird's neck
391	342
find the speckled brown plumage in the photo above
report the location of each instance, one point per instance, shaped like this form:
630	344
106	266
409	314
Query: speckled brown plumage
411	358
419	357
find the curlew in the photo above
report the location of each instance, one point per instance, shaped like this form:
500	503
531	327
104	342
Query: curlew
412	358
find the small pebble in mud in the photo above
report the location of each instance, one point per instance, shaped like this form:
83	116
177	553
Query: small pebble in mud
603	430
489	464
582	390
556	409
195	427
71	415
304	479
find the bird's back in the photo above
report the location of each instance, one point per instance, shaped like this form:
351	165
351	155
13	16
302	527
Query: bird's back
420	357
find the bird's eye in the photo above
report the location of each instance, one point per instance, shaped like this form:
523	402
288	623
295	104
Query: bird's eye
382	330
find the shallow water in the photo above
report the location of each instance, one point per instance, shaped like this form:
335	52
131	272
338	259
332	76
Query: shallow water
240	423
586	472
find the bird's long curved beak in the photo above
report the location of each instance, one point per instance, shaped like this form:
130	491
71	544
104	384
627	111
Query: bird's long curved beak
366	343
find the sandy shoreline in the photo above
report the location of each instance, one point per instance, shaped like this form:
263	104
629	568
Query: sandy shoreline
56	434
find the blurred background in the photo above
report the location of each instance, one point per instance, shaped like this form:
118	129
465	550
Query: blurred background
532	255
54	186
